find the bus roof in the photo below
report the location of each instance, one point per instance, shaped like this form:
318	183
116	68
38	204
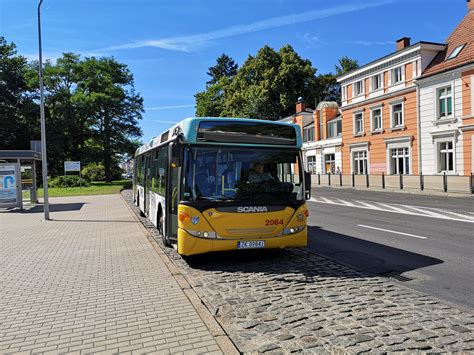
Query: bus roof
189	129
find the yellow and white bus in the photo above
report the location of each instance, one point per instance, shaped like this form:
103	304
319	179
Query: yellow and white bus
214	184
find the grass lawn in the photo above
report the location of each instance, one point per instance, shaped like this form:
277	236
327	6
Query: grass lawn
96	188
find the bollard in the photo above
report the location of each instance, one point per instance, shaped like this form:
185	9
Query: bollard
329	179
353	180
340	179
319	179
367	180
422	182
472	183
445	183
401	181
383	180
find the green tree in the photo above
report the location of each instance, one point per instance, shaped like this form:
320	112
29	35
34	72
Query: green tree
346	65
327	87
211	102
19	115
225	67
106	89
268	85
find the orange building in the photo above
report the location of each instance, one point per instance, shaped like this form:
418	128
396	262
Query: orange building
379	111
322	136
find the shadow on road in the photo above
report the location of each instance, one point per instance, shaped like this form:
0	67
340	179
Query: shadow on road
367	259
55	207
366	256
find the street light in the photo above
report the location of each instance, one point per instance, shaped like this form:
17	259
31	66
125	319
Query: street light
43	124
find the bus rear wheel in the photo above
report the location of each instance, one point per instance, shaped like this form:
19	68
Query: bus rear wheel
161	229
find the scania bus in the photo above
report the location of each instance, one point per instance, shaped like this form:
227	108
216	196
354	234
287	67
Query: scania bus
215	184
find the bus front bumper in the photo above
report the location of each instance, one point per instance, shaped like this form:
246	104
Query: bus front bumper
190	245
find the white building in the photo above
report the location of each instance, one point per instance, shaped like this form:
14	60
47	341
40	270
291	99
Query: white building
446	114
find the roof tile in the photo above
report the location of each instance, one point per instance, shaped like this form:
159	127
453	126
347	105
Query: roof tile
462	34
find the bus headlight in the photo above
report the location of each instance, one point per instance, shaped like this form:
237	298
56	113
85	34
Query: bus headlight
293	230
202	234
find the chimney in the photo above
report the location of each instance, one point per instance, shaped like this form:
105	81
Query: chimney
470	5
403	43
300	105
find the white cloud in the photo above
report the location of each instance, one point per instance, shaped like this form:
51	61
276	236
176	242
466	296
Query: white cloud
311	41
373	43
193	42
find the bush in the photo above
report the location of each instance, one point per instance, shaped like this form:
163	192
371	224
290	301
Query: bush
94	172
68	181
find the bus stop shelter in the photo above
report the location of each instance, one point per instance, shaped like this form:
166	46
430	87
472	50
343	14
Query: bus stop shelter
18	174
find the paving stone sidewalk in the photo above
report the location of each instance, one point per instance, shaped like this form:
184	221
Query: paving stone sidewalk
283	301
90	281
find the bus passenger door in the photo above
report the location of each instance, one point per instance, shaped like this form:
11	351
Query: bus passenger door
147	186
172	196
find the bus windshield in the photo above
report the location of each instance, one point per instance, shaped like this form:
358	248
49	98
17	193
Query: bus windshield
270	176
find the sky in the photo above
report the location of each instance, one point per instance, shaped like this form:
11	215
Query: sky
169	45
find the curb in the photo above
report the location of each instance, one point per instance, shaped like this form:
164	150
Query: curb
219	334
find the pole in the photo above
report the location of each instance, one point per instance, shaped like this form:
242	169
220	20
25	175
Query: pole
43	124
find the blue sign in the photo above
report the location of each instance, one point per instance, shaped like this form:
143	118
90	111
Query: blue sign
8	193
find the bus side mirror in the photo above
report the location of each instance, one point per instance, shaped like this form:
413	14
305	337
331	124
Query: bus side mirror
307	185
175	155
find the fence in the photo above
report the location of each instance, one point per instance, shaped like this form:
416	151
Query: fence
428	183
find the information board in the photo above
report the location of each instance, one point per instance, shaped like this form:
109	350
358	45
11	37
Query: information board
8	184
72	166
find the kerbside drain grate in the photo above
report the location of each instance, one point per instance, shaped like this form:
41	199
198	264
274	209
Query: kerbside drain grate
396	275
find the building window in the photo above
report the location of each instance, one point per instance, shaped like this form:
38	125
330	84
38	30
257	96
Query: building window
358	123
359	162
445	157
308	134
358	88
334	128
397	75
376	119
344	93
400	161
376	82
456	52
330	163
397	115
445	102
311	162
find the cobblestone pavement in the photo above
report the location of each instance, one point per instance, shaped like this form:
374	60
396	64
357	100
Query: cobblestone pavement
294	300
90	281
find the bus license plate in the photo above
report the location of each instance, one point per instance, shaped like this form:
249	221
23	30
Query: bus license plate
253	244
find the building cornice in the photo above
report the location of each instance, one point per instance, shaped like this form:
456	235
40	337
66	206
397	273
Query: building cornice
468	127
379	98
404	139
447	74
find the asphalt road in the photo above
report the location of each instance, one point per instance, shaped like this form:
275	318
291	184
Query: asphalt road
431	244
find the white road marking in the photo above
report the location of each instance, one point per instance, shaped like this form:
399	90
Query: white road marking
430	213
394	232
391	207
398	208
368	205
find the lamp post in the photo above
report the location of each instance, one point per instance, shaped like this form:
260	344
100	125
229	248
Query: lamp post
43	124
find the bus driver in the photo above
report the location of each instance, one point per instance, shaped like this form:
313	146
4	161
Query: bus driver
257	175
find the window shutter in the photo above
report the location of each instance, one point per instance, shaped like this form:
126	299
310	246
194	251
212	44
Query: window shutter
390	73
370	84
